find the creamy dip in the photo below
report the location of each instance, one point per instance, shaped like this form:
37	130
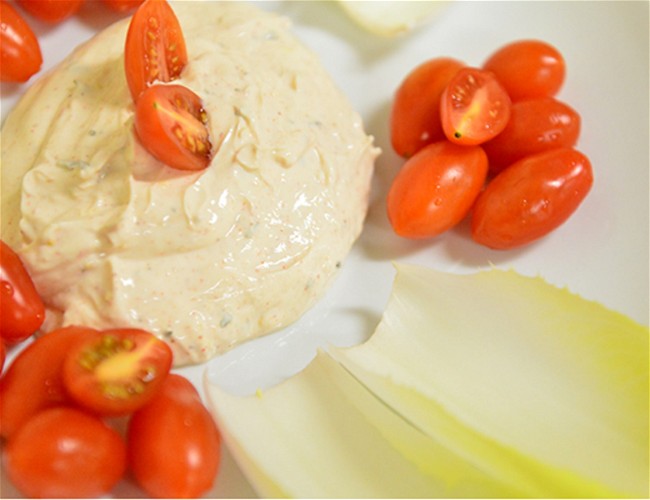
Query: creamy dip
205	260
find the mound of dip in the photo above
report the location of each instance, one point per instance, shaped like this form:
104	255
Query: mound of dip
207	260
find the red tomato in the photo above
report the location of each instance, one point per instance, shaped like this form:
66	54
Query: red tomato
116	372
173	443
123	5
65	453
531	198
3	355
155	47
415	115
535	125
21	310
528	69
34	380
435	189
20	53
474	107
172	125
51	11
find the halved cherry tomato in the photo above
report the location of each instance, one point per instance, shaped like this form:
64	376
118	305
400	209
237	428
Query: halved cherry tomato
20	53
155	48
123	5
531	198
21	310
33	381
65	453
173	443
172	125
535	125
528	69
435	189
116	372
415	115
51	11
474	107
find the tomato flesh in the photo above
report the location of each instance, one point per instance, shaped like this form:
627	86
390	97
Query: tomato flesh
528	69
531	198
155	47
65	453
415	114
474	107
51	11
20	52
435	189
33	381
173	443
172	125
116	372
21	310
123	5
535	125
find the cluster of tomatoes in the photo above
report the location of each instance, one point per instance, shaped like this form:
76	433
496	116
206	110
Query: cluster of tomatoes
68	395
493	142
21	51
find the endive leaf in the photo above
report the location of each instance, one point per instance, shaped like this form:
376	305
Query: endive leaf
546	390
391	17
488	385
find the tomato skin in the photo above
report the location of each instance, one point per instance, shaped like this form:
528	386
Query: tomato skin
535	125
3	355
172	125
20	52
65	453
173	443
474	107
531	198
415	114
435	189
21	311
51	11
155	48
528	69
123	5
33	381
117	371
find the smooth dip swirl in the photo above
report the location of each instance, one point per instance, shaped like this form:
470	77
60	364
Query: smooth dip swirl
205	260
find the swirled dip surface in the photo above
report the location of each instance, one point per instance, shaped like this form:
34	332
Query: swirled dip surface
204	260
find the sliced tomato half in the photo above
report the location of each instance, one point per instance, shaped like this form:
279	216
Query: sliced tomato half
172	125
155	48
116	372
474	107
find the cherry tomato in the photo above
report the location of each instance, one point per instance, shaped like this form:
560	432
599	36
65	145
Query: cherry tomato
116	372
435	189
172	125
531	198
51	11
123	5
528	69
65	453
173	443
20	53
155	48
415	115
21	310
535	125
34	381
474	107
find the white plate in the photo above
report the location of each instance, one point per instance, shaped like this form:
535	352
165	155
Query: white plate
601	252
